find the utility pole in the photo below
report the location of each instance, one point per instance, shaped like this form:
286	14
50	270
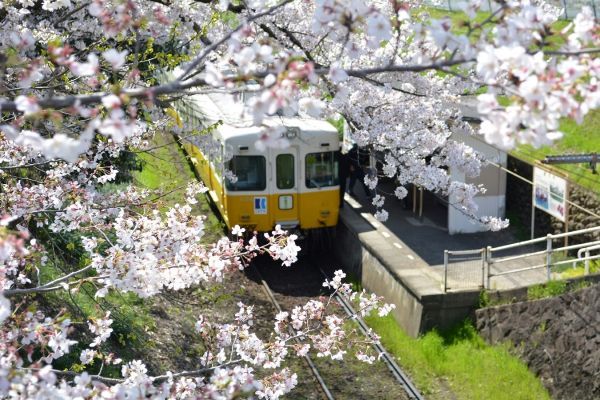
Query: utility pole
592	159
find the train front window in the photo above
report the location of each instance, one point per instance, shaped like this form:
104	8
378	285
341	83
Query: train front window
321	169
250	173
285	171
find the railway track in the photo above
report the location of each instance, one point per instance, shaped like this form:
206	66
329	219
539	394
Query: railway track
325	391
311	365
396	371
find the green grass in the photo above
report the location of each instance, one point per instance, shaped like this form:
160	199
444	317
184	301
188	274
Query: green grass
131	320
459	364
550	289
165	168
579	270
582	138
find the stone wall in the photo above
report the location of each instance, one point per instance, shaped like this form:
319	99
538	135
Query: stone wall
518	204
559	339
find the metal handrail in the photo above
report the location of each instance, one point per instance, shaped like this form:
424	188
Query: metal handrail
542	239
567	234
517	257
537	253
465	252
519	244
488	260
587	249
587	258
577	246
576	259
512	271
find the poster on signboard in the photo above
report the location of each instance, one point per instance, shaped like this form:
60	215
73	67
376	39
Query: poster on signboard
550	193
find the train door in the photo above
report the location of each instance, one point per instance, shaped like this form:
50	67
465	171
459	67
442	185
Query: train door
285	198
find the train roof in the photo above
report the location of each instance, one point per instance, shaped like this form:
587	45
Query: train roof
238	122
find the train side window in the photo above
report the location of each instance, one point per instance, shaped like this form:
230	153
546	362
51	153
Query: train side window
321	169
250	172
284	165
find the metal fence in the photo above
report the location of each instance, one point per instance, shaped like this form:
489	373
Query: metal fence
569	8
464	269
519	264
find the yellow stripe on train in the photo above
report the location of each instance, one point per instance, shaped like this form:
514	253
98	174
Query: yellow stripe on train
316	210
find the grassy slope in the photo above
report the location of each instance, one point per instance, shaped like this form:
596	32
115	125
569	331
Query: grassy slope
459	364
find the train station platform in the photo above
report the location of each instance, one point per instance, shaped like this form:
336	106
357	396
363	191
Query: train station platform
402	259
421	240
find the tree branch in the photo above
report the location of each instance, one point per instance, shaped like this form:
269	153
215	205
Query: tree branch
572	53
225	38
156	379
177	86
72	374
47	287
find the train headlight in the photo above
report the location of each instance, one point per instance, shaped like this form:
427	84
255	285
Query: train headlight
292	132
286	202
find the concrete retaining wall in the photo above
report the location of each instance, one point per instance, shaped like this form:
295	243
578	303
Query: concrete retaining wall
420	302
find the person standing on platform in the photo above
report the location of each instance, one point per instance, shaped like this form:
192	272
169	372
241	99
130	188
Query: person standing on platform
357	172
344	173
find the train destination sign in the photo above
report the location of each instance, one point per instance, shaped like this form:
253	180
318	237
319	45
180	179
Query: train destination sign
549	193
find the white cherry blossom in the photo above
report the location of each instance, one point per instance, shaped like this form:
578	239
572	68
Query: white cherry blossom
115	58
382	66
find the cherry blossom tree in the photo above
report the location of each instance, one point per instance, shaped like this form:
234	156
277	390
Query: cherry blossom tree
81	86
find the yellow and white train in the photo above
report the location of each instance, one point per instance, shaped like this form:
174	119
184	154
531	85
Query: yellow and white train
296	187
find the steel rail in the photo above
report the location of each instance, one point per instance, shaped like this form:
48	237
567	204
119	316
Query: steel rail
410	389
307	358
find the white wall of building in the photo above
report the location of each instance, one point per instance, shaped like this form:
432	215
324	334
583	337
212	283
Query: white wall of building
492	203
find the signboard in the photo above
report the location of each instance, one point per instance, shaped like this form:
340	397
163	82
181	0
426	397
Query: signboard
260	205
549	193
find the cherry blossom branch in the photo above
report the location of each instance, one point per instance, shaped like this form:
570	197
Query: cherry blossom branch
397	89
47	287
197	372
72	374
572	52
10	167
155	379
176	86
71	13
361	73
96	98
228	36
